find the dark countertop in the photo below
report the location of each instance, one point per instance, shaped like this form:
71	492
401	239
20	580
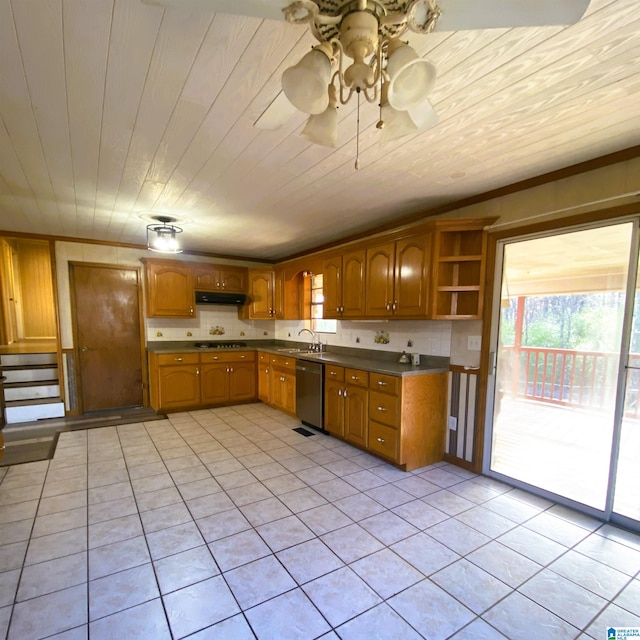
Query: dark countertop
385	362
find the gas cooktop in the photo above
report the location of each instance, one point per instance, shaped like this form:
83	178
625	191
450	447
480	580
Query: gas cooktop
219	345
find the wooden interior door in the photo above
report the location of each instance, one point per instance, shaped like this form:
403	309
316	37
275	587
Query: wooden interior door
106	313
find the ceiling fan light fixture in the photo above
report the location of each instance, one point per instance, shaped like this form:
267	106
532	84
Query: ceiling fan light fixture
411	78
161	237
305	83
322	128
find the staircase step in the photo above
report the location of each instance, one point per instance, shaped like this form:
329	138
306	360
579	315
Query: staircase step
37	374
29	367
31	391
29	383
12	359
29	410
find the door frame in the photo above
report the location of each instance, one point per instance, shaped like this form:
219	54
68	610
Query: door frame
77	392
610	215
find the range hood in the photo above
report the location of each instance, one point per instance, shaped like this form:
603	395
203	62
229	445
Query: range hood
220	297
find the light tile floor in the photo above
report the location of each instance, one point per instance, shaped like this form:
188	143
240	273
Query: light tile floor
226	523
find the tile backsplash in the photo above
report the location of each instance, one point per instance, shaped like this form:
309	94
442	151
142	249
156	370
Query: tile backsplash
427	337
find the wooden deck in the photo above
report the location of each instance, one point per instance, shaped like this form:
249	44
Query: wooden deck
567	450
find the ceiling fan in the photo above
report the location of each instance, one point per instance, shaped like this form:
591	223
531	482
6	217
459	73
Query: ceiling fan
382	69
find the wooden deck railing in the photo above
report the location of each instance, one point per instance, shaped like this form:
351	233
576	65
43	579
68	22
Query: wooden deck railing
568	377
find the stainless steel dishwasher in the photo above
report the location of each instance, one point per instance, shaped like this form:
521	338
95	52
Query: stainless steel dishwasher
310	393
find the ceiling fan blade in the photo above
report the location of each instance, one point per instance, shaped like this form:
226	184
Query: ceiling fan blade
276	114
460	15
268	9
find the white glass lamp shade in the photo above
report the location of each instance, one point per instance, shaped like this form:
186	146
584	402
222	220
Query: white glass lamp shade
305	84
402	123
323	128
162	238
411	78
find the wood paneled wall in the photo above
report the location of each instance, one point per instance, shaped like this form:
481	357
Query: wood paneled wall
36	289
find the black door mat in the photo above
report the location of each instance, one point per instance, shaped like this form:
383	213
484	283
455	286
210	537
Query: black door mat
304	432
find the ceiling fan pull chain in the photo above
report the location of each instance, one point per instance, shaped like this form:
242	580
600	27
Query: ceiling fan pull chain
357	164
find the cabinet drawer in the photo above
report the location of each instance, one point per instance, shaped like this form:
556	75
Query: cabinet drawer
383	440
387	384
229	356
356	377
332	372
264	357
178	358
283	362
383	408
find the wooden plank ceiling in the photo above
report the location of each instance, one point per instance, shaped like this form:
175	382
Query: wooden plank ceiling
115	110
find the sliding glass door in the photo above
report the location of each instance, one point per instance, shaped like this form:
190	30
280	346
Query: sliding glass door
561	421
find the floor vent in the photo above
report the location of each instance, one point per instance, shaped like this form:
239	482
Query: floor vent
304	432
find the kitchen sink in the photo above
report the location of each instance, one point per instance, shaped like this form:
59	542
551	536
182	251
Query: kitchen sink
301	351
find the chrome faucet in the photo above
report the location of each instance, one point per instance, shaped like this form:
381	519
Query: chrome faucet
314	345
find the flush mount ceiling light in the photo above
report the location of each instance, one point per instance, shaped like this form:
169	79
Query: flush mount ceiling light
161	236
360	53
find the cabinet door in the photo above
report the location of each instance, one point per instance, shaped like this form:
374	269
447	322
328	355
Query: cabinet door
334	407
206	277
278	295
353	285
412	276
277	388
234	280
261	294
332	286
380	277
179	386
264	383
215	383
289	394
169	290
356	416
242	381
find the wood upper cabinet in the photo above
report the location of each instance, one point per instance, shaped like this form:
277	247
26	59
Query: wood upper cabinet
459	269
397	277
261	289
343	285
212	277
169	289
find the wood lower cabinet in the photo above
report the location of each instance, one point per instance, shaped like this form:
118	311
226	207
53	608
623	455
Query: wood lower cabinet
174	381
228	377
282	380
407	418
346	403
194	380
264	377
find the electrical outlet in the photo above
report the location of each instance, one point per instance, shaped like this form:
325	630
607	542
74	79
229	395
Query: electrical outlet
452	423
473	343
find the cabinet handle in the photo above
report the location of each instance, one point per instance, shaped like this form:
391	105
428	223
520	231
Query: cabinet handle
342	309
266	370
380	440
215	357
394	306
344	393
191	310
380	408
242	357
387	306
355	378
340	392
381	383
230	369
178	359
198	371
333	373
